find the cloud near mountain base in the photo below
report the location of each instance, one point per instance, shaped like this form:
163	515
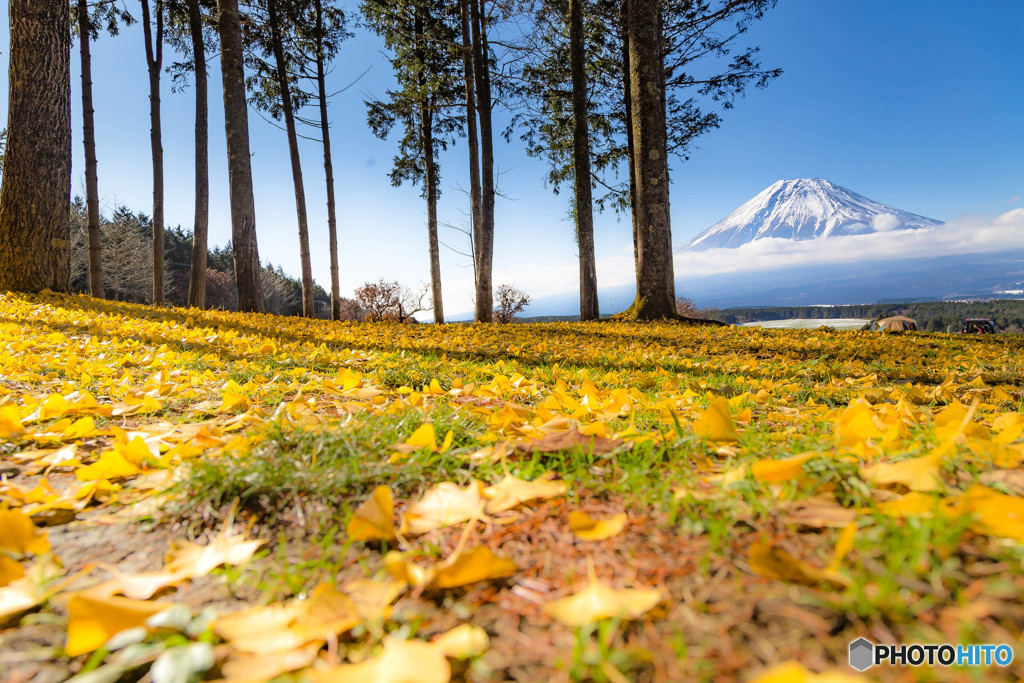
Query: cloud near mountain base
965	235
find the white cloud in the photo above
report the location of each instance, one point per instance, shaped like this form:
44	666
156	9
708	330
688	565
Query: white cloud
884	222
965	235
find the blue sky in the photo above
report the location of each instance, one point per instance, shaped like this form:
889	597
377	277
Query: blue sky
914	103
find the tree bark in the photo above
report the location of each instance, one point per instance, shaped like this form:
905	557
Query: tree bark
332	221
35	230
284	86
92	194
484	236
655	297
236	128
472	139
429	173
628	104
197	277
589	309
154	61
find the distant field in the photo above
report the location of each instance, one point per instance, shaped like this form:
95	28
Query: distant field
812	323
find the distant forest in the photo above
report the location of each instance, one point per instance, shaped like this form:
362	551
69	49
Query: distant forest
932	316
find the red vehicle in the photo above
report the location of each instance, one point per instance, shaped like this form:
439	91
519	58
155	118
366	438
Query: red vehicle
978	326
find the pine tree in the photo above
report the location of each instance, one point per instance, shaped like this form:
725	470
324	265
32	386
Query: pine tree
236	126
154	61
192	35
420	35
88	20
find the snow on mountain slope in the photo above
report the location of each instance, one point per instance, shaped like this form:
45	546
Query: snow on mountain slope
806	209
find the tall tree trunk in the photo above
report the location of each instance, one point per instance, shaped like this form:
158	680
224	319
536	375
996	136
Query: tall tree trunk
236	127
293	150
484	236
581	167
628	106
154	60
472	140
429	172
654	297
92	194
35	230
332	221
197	278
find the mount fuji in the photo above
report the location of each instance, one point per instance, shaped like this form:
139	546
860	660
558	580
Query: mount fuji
806	209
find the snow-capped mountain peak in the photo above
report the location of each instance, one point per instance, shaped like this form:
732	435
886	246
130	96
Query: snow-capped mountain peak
806	209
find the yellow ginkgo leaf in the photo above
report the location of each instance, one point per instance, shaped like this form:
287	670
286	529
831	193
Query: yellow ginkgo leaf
262	629
460	569
773	562
401	661
923	473
111	465
512	491
996	514
587	528
328	612
80	428
10	570
780	471
10	422
469	566
715	424
463	641
198	560
233	400
446	443
373	598
912	504
138	586
597	601
423	437
444	505
19	535
93	618
374	519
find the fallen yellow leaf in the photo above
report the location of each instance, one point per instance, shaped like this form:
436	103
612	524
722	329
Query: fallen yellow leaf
374	519
512	491
922	473
19	535
93	618
715	424
444	505
587	528
597	601
401	661
775	563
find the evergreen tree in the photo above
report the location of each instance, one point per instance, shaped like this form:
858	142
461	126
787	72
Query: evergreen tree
246	264
154	61
192	35
420	36
88	20
271	36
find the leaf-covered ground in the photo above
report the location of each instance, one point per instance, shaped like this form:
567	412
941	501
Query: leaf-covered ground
205	495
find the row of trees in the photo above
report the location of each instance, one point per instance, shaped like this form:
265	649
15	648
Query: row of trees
126	238
605	90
